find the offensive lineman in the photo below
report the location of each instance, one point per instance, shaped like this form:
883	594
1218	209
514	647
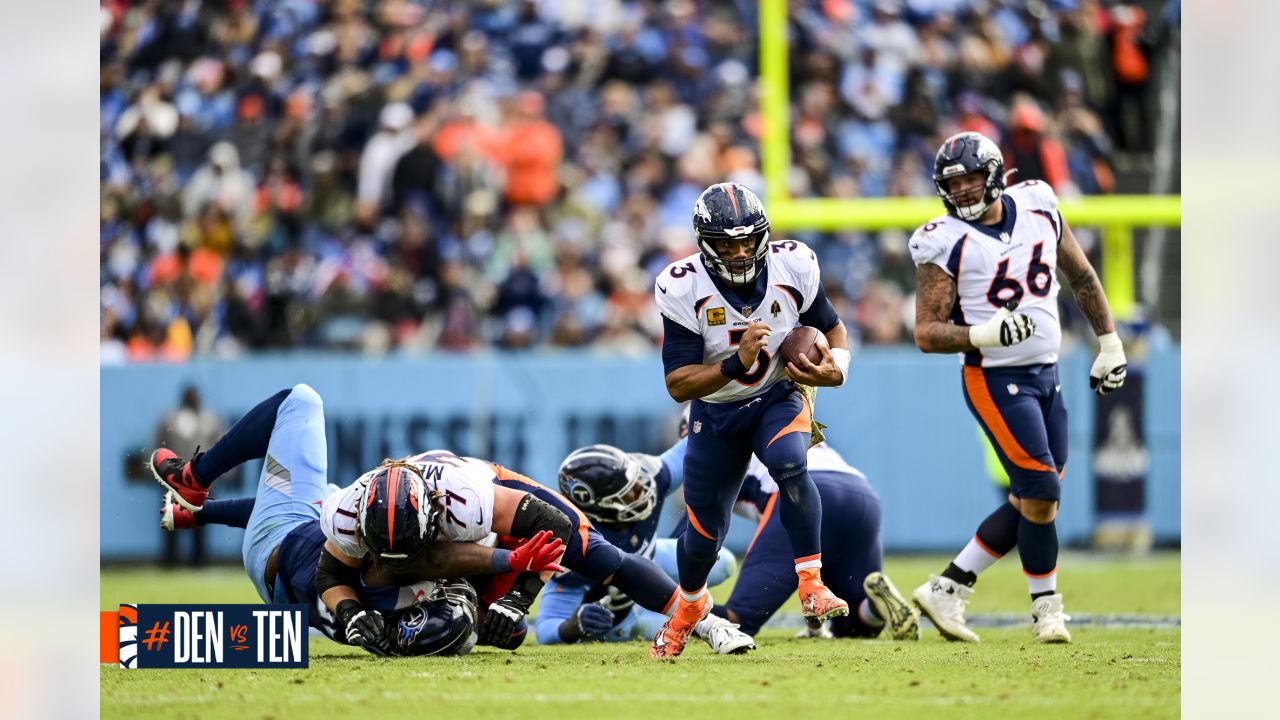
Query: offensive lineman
996	251
725	313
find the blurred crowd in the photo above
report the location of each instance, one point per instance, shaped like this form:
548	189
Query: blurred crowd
412	175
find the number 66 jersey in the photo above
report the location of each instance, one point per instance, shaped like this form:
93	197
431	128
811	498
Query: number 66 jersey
993	264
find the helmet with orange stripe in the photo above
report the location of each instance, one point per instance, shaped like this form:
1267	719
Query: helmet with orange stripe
726	217
395	515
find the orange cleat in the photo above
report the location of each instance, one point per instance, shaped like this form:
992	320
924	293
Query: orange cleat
817	602
675	632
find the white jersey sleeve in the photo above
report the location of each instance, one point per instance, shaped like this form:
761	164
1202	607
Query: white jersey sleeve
934	241
673	291
339	520
797	262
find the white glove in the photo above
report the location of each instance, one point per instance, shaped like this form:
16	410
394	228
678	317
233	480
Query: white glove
1110	368
1004	329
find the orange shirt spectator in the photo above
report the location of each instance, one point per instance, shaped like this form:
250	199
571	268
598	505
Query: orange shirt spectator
533	149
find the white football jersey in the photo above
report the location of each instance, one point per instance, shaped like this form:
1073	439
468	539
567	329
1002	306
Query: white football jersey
467	515
687	296
1019	262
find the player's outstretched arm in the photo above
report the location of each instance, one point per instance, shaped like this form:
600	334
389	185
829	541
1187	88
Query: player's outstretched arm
336	576
1110	367
693	381
935	296
1085	284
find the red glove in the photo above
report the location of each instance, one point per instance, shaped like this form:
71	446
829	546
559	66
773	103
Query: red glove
538	553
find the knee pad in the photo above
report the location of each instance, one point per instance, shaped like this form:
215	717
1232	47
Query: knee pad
698	547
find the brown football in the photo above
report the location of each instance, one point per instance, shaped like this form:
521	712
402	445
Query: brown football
804	340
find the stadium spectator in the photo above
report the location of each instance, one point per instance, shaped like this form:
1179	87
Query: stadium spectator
275	174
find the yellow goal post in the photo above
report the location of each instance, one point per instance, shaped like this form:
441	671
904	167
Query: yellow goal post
1114	215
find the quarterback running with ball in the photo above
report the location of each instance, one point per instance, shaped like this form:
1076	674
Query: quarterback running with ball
726	311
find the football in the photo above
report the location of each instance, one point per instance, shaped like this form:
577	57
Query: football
804	340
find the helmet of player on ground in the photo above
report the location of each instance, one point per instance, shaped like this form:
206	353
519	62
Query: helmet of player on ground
395	512
969	153
730	212
607	485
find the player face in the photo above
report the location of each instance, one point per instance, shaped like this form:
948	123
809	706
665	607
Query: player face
966	189
737	253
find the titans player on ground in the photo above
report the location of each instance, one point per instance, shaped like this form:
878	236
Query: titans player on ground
997	251
726	311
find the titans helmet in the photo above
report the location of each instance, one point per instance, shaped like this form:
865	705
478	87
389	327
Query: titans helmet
395	513
965	153
442	624
608	485
731	211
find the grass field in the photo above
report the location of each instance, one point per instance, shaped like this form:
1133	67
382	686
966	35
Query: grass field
1113	669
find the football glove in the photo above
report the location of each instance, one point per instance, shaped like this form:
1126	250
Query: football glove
593	619
503	617
1110	368
538	553
1003	330
364	628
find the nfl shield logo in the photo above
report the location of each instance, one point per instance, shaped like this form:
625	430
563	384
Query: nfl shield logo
697	426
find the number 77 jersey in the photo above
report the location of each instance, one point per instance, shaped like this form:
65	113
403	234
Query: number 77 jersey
993	264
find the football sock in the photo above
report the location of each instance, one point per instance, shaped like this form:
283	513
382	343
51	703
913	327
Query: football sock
867	614
642	580
232	513
246	440
964	577
996	536
801	513
1038	547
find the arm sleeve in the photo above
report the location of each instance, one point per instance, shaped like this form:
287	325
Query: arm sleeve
680	346
533	516
820	314
558	604
673	461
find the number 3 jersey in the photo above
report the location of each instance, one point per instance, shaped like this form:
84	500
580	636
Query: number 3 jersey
993	264
688	296
466	508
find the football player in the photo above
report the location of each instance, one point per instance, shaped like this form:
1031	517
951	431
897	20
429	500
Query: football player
623	494
726	310
987	287
284	540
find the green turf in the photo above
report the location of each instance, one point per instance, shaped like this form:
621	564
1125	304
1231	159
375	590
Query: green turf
1105	673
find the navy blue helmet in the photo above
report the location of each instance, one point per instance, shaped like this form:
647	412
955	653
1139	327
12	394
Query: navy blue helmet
607	485
731	211
965	153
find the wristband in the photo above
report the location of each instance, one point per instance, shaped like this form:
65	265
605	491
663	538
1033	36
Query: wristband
1110	343
732	367
501	560
841	357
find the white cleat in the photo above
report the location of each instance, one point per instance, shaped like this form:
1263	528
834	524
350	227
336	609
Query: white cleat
898	615
815	629
723	636
1048	622
943	601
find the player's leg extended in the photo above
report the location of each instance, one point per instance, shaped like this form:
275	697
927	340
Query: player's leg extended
852	560
781	441
232	513
189	481
714	467
766	577
293	481
664	554
1048	618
